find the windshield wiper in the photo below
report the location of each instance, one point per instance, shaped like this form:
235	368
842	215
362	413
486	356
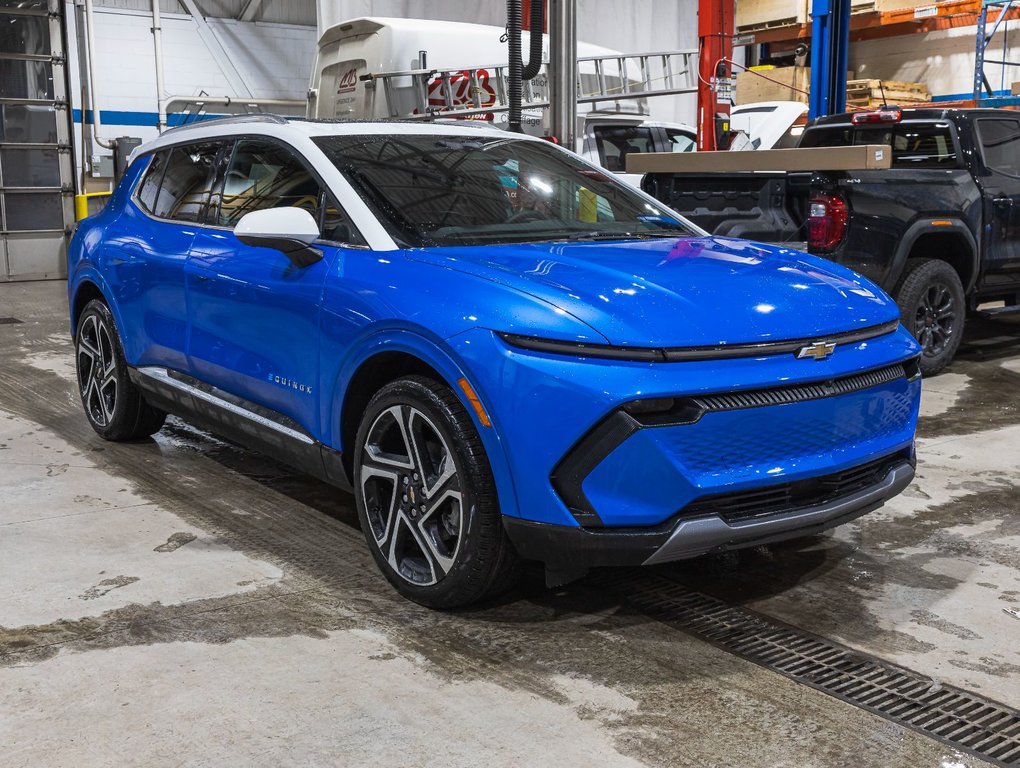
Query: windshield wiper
629	235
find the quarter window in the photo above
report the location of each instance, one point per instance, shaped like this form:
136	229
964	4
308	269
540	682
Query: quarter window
1000	145
148	190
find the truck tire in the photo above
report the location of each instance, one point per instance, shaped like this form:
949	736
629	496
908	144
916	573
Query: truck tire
427	500
932	307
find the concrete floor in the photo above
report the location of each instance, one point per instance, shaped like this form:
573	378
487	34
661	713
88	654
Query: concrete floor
182	602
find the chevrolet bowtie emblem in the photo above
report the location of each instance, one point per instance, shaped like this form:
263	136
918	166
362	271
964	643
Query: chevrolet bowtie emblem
818	351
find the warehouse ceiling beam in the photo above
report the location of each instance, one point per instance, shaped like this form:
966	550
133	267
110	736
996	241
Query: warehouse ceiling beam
251	10
219	53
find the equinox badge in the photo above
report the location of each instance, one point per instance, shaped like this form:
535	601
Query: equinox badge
819	350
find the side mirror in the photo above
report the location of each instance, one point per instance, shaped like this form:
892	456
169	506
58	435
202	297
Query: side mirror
288	230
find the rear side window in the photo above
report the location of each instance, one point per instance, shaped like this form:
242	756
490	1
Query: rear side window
187	182
615	142
1000	144
913	145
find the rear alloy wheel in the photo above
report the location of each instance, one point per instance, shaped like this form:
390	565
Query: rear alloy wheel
932	307
114	406
426	498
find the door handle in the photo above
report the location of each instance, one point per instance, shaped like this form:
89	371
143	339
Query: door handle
1003	202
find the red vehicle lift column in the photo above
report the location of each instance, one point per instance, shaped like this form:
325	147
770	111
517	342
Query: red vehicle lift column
715	46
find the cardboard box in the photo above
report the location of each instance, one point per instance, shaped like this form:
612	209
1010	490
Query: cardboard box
783	84
855	158
764	14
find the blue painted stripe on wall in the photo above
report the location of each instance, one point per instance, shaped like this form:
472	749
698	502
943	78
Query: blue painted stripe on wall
149	119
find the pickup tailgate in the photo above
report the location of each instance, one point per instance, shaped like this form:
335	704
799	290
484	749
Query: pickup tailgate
769	207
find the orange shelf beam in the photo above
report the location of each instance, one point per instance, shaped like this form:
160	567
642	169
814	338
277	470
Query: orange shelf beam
948	14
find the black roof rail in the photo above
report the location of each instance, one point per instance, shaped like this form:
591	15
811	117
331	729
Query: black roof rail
231	120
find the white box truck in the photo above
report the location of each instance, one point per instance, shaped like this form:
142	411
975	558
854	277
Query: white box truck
381	68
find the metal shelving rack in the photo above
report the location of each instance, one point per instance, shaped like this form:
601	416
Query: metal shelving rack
984	95
928	17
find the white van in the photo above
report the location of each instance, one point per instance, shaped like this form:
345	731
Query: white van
354	48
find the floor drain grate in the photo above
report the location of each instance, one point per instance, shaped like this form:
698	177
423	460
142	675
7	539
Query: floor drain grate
9	320
981	727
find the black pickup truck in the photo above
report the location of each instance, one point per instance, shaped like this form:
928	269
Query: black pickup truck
939	230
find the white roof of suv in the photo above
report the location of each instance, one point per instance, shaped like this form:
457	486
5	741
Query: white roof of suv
295	129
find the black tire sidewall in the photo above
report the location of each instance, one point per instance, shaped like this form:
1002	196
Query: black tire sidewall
920	275
470	575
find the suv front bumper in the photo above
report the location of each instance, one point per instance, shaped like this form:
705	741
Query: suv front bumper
574	549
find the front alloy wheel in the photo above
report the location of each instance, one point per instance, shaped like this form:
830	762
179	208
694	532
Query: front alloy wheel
426	498
413	501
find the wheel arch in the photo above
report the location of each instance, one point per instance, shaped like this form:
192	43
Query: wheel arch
960	249
391	355
87	289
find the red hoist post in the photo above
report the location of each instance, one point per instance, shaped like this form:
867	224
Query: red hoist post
715	46
526	16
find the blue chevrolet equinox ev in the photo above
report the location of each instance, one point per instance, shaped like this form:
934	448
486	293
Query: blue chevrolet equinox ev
505	352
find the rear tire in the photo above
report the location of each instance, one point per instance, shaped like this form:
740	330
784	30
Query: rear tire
932	307
114	406
426	498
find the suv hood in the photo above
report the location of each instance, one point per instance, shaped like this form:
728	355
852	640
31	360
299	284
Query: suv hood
681	292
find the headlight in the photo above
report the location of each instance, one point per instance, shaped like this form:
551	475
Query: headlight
584	349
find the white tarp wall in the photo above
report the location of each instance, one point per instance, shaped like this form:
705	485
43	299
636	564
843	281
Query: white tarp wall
631	26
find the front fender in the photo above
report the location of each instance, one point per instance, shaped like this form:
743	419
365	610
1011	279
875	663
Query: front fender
440	356
925	227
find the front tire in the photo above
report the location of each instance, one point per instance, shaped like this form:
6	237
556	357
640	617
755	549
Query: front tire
426	498
114	406
932	307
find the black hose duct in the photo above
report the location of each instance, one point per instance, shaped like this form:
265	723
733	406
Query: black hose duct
518	73
516	66
535	41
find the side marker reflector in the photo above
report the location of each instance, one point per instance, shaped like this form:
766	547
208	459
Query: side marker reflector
475	402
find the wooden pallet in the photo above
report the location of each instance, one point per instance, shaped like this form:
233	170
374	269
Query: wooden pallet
874	93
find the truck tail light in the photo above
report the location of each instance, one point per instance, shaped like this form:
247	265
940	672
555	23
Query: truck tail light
885	115
827	222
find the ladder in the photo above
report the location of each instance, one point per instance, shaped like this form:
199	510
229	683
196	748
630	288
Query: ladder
472	91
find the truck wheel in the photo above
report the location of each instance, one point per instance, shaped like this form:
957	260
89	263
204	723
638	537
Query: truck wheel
113	405
426	498
932	307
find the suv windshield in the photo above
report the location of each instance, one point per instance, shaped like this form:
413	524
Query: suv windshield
431	190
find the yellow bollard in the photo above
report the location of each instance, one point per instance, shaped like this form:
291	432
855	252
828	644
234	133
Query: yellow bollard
81	204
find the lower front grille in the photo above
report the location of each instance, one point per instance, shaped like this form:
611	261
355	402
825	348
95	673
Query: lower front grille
788	497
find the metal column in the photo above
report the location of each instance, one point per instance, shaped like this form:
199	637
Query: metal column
715	38
563	71
830	48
